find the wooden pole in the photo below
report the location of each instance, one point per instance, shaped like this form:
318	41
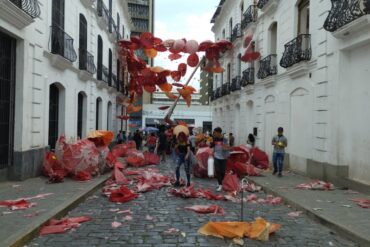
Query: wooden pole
167	118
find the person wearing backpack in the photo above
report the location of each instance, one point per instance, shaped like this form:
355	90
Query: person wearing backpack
221	151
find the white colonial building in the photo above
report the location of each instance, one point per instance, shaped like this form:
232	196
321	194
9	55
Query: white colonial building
312	80
59	74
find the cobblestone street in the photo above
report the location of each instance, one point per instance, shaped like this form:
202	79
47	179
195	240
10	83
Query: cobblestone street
167	212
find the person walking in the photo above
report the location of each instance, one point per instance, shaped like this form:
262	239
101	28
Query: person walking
151	142
221	151
183	154
120	137
162	145
138	139
251	141
280	142
231	140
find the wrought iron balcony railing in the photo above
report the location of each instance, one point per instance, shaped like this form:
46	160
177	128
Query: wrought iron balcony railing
297	50
249	16
114	81
236	83
105	74
86	61
345	11
103	12
30	7
237	32
262	3
225	89
268	67
62	44
139	11
248	77
218	93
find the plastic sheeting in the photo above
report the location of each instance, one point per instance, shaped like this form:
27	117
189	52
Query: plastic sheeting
231	183
207	209
53	169
316	185
63	225
202	155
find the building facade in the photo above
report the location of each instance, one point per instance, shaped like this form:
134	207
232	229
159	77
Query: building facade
59	75
311	79
142	14
206	85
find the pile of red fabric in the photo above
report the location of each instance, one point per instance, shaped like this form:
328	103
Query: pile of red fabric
200	169
259	158
53	169
316	185
203	209
61	226
120	150
135	158
231	183
80	156
151	158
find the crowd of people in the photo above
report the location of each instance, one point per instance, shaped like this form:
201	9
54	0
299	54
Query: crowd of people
182	147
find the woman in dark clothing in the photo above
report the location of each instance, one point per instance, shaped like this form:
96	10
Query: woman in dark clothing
183	153
162	145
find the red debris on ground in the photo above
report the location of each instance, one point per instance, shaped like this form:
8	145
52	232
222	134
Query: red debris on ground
316	185
295	214
268	200
53	169
190	192
202	155
362	202
19	204
63	225
251	187
151	180
204	209
151	158
123	194
259	158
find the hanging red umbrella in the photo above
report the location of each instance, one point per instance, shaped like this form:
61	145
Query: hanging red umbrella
182	68
124	117
193	60
162	108
176	75
177	84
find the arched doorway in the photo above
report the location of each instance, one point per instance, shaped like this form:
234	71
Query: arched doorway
99	114
238	135
56	94
81	114
109	116
269	123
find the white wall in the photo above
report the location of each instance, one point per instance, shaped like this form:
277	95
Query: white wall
35	73
322	103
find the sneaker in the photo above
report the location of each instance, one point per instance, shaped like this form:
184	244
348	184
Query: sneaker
274	172
219	188
280	175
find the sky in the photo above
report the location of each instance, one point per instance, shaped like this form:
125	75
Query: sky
177	19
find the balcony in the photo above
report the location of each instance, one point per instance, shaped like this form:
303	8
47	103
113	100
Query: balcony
297	50
86	61
248	77
225	90
103	12
218	93
348	19
268	67
62	45
138	11
236	83
262	3
19	13
236	33
344	12
105	74
249	16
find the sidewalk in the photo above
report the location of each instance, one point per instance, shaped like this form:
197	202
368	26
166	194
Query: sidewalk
330	208
16	228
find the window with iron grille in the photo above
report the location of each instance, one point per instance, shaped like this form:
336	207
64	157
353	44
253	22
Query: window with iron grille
53	116
100	58
80	105
110	61
83	43
57	21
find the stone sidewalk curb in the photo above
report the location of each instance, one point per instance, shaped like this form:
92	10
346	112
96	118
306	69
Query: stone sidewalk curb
22	237
361	240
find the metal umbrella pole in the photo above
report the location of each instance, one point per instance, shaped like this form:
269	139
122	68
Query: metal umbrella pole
244	181
167	118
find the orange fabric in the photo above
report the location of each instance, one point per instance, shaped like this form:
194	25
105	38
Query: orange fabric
150	53
165	87
131	109
171	95
105	136
260	229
